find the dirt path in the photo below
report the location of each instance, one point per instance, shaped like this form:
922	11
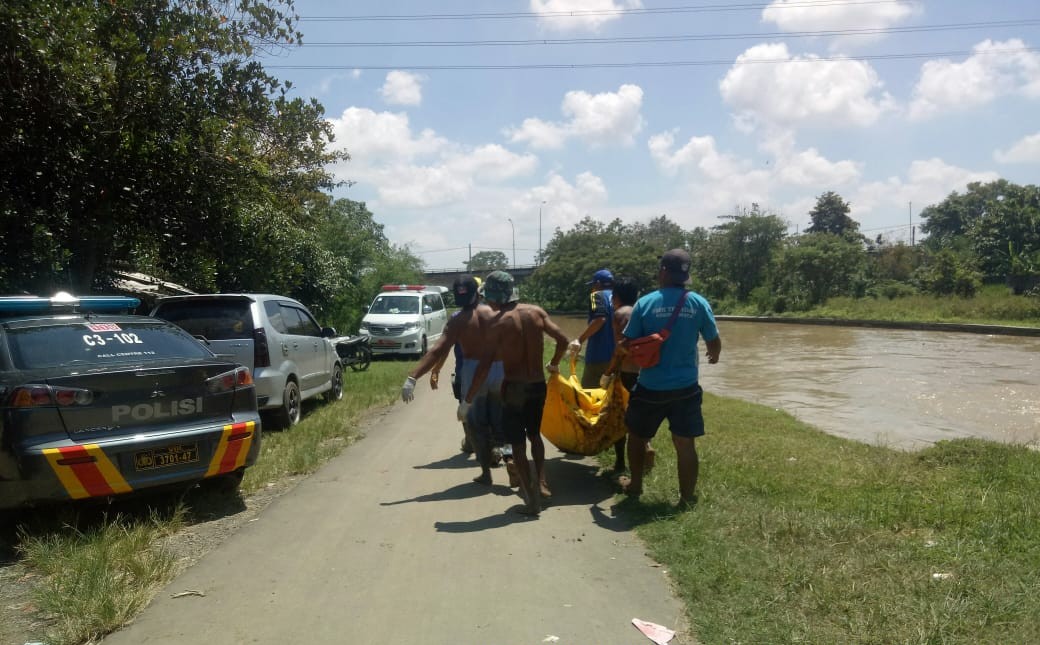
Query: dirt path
391	543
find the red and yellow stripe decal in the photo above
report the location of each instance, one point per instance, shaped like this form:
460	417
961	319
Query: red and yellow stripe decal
85	471
233	449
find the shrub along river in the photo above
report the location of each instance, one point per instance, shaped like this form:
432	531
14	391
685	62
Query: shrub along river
900	388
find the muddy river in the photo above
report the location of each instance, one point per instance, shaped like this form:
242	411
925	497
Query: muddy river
899	388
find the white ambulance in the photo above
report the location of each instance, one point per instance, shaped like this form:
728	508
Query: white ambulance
405	318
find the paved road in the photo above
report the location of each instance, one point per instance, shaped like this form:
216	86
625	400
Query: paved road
391	543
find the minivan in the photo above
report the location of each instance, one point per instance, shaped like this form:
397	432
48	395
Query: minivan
289	353
405	318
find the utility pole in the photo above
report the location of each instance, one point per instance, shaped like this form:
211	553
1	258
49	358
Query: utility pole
540	230
513	228
469	262
910	212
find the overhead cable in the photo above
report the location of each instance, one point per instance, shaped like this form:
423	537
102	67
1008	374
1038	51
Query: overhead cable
684	38
679	63
588	13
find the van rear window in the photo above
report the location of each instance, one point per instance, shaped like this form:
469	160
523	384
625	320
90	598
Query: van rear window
211	319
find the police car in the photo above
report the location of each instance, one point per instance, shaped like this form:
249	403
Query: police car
95	402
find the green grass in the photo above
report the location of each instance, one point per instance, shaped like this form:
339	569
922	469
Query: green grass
993	305
97	573
802	537
98	579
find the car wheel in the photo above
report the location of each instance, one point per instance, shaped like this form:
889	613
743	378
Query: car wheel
364	360
423	348
289	414
335	393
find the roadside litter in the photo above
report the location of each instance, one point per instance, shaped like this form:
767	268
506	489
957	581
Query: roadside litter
657	633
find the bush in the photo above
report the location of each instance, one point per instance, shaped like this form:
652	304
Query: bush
890	289
946	274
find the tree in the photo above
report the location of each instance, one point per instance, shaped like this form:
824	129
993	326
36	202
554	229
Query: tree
487	261
817	266
571	257
831	215
983	221
946	274
147	133
744	247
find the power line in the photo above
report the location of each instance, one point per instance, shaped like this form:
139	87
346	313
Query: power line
590	13
686	63
684	38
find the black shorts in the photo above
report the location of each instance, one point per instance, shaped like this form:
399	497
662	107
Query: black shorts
522	405
628	380
648	408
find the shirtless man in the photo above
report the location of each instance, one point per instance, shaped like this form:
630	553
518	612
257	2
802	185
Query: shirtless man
623	296
484	412
515	332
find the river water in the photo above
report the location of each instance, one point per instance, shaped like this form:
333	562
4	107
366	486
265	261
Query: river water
899	388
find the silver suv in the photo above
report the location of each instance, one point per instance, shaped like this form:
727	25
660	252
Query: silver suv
276	337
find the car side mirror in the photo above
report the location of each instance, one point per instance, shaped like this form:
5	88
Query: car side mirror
328	332
427	309
365	309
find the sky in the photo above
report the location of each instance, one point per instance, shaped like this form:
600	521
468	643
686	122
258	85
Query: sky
484	126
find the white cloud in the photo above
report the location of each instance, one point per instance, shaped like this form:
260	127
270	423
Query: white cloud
597	119
787	166
328	83
984	76
1025	150
566	203
402	88
802	90
928	181
374	136
699	153
799	15
575	15
422	170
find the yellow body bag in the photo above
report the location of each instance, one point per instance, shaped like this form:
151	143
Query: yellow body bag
583	421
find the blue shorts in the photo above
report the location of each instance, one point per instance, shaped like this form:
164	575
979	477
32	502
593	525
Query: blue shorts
648	408
484	417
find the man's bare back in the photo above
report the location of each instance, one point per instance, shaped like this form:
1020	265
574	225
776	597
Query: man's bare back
517	330
465	328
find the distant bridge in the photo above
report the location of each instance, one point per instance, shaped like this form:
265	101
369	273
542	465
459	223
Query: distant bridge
445	277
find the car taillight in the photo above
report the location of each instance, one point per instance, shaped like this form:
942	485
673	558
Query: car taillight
238	377
261	353
32	396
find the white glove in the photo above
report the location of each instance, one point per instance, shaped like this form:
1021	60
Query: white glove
408	390
552	369
463	410
604	381
574	346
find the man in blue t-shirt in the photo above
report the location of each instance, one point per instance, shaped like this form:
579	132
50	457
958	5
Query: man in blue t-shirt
669	390
600	330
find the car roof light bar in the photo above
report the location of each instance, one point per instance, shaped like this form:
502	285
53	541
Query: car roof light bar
63	302
414	287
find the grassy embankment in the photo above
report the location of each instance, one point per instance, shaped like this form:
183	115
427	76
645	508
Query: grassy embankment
993	305
803	537
96	570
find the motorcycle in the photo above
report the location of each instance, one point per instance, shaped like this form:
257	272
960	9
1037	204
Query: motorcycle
354	351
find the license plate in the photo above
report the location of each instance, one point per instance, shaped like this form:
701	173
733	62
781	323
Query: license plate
166	456
386	343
